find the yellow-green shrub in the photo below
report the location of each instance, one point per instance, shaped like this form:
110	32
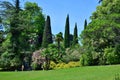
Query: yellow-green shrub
60	66
52	65
63	65
66	66
74	64
69	65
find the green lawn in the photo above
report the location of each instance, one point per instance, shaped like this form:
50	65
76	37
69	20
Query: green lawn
80	73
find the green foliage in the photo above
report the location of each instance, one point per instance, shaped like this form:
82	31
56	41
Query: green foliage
9	62
2	39
0	20
71	55
35	21
103	32
16	62
109	55
84	61
35	66
112	56
67	34
75	36
53	53
5	62
89	57
24	33
47	35
85	24
117	53
11	47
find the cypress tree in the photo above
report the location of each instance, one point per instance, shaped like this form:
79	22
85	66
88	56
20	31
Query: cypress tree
75	36
17	5
47	34
0	20
85	24
67	34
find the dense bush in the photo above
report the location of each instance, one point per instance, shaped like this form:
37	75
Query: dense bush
16	62
4	63
53	52
72	54
35	66
9	63
109	55
112	55
86	59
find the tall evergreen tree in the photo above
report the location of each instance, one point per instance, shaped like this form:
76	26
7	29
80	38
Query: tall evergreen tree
15	28
75	36
11	45
67	34
17	5
47	34
85	24
0	20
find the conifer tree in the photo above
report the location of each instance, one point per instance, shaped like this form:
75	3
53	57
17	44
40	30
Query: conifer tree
67	34
75	36
15	28
85	24
47	34
12	40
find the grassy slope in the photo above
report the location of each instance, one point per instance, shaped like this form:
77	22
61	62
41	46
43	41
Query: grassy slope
80	73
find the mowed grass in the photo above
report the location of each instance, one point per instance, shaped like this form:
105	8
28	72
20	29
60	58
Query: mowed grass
79	73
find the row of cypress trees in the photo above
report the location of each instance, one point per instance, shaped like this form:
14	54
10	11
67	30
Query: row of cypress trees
47	34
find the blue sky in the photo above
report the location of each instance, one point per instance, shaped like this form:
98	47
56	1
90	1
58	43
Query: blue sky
78	11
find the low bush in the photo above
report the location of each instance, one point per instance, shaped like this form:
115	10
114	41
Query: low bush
63	65
86	59
60	66
111	56
36	66
71	55
52	65
73	64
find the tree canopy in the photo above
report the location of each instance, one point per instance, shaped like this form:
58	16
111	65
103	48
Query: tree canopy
103	32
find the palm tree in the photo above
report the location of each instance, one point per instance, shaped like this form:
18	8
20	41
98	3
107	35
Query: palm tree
58	39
